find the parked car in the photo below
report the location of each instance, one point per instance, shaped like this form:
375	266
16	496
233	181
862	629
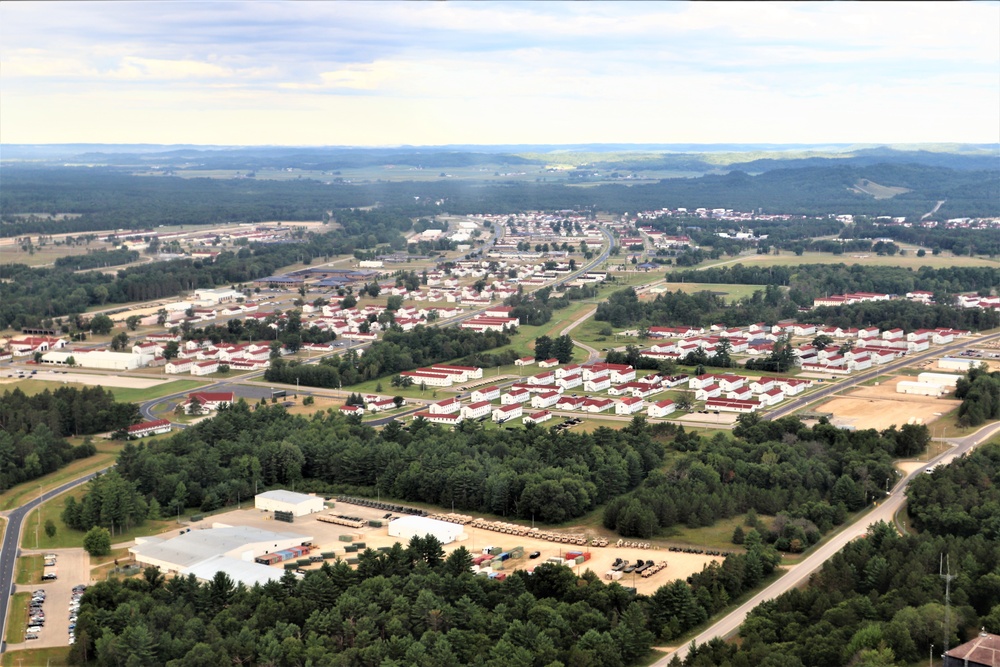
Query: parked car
534	554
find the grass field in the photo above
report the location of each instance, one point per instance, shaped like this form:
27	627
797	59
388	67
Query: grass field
17	617
50	657
29	570
910	260
66	537
122	394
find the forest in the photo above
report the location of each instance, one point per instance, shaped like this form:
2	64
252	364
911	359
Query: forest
33	429
880	600
409	606
536	472
979	392
809	478
29	296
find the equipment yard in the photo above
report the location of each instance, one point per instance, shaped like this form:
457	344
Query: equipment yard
880	407
326	539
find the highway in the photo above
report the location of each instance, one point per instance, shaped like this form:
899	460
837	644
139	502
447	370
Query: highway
885	511
11	541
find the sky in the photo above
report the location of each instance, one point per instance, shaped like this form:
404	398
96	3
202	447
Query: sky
435	73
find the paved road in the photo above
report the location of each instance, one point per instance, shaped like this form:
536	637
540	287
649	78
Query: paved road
798	574
11	549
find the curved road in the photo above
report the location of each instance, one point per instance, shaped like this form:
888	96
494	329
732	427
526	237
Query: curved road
11	540
798	574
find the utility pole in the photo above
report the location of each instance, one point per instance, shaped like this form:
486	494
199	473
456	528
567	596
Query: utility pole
945	573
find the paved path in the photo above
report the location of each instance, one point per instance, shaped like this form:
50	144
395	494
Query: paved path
12	538
798	574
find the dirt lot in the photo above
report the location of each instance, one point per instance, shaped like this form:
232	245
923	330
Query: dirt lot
103	380
880	407
325	535
73	566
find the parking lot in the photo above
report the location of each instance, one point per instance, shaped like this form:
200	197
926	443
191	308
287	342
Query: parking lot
73	567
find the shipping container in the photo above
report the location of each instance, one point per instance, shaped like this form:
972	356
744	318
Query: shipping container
504	556
290	566
494	551
374	523
496	565
345	538
578	560
329	555
352	561
360	546
501	576
350	548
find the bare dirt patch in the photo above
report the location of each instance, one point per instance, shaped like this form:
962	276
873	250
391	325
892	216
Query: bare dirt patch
880	407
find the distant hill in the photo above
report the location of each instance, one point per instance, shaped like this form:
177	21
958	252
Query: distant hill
691	158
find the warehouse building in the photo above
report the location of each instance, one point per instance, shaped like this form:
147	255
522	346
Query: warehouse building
956	363
97	359
229	549
920	388
407	527
946	379
299	504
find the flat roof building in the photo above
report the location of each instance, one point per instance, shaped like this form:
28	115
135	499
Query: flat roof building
407	527
191	550
299	504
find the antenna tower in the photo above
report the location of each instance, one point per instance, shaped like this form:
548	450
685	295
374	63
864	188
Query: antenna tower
944	571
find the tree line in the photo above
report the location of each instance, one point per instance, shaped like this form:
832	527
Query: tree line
397	351
529	473
97	259
703	308
33	429
880	600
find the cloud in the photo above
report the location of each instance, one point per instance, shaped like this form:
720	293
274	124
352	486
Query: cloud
481	72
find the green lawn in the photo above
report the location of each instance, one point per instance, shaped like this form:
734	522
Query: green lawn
17	618
66	537
50	657
107	452
127	395
718	536
29	570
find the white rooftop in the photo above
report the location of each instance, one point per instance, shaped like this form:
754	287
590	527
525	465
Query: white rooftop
247	572
283	496
196	546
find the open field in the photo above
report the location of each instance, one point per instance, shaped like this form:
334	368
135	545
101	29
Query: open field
125	388
728	291
50	657
107	452
17	619
879	191
910	260
880	407
29	570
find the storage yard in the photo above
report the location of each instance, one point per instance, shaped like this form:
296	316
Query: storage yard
881	406
330	538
